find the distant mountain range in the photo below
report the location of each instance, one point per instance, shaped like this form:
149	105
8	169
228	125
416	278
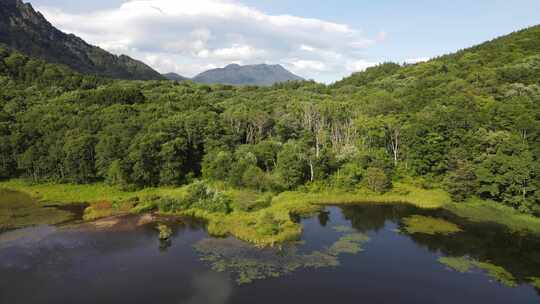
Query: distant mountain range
24	29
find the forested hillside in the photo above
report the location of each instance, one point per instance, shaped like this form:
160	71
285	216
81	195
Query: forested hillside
27	31
468	122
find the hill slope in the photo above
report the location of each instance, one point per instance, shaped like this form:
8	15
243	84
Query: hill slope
174	76
234	74
27	31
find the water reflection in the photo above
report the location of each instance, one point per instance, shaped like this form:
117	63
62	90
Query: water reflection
125	262
324	217
519	253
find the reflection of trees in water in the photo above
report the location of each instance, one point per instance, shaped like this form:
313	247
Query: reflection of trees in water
164	245
177	227
518	253
324	217
374	217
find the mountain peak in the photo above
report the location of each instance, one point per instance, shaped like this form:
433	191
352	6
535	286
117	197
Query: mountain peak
233	66
257	74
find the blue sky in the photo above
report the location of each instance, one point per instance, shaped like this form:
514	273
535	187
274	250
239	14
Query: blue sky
346	37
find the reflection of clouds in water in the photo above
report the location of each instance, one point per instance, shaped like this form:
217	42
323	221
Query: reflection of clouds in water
25	236
210	288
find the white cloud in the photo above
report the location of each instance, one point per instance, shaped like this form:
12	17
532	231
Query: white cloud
187	37
360	65
416	60
307	48
238	52
307	65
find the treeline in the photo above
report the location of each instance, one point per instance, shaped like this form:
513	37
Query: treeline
468	122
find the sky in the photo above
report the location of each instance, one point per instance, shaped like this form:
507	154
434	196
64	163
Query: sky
320	40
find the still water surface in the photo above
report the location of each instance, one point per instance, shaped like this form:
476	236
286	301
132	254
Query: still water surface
78	264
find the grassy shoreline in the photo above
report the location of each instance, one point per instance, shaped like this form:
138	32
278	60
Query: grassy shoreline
108	201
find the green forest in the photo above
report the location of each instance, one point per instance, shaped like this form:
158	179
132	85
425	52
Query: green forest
468	123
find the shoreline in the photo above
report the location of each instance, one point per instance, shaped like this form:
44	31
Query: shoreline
105	201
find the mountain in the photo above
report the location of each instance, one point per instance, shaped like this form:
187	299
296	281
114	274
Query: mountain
175	77
260	74
26	30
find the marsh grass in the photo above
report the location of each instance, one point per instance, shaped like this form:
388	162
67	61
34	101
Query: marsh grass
66	194
429	225
249	207
464	264
18	210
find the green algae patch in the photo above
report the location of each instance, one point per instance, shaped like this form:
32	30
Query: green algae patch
464	264
248	263
459	264
497	273
351	244
429	225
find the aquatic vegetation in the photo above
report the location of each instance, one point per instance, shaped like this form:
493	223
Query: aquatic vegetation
165	231
464	264
249	263
351	243
429	225
343	229
460	264
497	273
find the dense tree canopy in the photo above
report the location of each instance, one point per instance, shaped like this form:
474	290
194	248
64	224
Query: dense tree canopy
469	122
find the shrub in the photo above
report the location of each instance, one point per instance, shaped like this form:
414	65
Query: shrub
376	180
215	202
255	178
268	225
200	196
167	205
349	176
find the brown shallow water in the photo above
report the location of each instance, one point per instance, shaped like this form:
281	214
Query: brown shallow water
123	261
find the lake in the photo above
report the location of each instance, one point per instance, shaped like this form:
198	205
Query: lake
360	254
